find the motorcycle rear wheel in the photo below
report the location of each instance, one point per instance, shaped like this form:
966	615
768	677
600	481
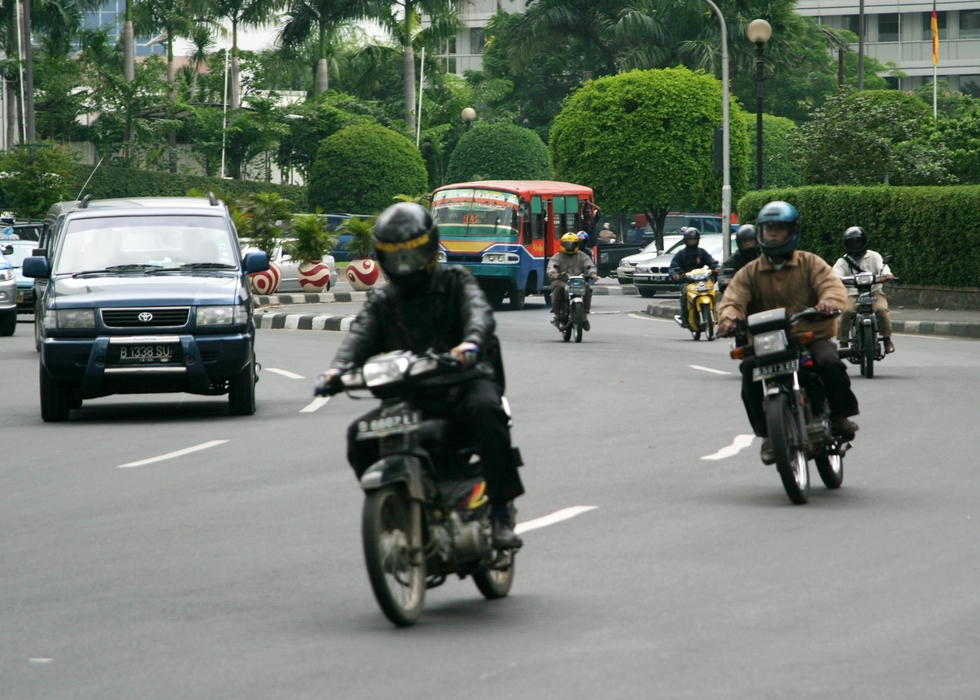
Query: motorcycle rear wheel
579	321
397	581
493	583
788	448
708	321
831	470
870	343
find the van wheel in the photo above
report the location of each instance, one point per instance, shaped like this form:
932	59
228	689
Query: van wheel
516	300
241	392
8	323
54	400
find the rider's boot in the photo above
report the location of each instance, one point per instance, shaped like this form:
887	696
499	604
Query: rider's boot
555	320
680	321
503	536
889	346
766	453
585	323
845	428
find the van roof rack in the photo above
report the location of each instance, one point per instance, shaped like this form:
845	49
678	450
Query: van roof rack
212	199
85	200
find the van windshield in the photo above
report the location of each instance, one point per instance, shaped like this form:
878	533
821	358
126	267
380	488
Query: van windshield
476	213
168	242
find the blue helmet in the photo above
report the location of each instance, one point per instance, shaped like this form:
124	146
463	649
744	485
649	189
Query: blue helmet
783	213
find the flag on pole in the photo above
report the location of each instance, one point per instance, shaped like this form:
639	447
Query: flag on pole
934	25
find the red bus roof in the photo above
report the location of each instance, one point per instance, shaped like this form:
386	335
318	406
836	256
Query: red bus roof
525	187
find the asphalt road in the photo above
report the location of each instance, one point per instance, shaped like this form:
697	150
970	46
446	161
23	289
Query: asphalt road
236	572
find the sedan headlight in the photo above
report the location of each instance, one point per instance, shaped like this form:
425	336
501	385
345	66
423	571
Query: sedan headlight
6	274
221	315
643	270
385	371
769	343
69	318
625	263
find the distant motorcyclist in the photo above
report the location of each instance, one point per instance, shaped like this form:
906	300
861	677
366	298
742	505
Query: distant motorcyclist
690	257
428	306
858	259
569	261
783	277
746	250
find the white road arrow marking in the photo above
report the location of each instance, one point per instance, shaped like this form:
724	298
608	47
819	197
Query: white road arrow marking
741	442
556	517
285	373
703	369
172	455
318	402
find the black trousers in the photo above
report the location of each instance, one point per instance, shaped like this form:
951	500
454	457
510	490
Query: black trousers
832	372
475	410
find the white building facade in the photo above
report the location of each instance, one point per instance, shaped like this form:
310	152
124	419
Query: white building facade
900	32
466	52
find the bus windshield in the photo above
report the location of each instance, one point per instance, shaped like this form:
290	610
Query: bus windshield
476	213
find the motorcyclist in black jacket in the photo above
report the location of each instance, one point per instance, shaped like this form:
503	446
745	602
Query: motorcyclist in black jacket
747	250
424	307
691	257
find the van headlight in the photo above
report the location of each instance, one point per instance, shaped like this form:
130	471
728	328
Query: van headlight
221	315
6	274
769	343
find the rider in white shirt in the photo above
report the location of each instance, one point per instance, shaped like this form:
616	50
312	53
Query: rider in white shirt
859	259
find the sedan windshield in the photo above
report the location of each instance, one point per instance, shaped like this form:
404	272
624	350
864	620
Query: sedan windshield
146	243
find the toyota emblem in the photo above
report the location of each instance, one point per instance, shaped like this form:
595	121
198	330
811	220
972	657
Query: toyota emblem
145	317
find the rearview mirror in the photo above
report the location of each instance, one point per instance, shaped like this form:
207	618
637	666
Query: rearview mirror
8	250
37	267
888	259
253	262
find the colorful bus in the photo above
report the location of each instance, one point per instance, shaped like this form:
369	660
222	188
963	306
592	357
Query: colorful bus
504	231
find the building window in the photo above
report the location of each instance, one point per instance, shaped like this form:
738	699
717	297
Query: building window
851	24
888	27
969	24
970	85
927	25
477	40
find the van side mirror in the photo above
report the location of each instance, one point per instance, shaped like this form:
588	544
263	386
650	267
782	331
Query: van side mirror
8	250
37	267
253	262
888	259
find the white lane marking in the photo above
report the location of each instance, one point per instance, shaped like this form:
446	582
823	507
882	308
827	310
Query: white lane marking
40	661
556	517
178	453
318	402
741	442
644	317
285	373
703	369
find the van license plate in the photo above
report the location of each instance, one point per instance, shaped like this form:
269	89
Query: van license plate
136	354
774	370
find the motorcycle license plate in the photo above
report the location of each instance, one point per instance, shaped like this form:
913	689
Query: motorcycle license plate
136	354
774	370
402	422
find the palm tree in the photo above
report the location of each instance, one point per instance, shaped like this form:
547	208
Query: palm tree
170	18
202	41
242	13
324	16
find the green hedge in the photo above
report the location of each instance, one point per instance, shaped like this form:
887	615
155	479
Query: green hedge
109	183
933	232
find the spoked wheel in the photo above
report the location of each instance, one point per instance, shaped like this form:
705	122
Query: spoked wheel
831	469
579	316
566	332
870	350
397	575
788	447
708	320
494	583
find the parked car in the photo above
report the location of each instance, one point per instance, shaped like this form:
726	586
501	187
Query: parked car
288	268
651	276
146	296
624	272
705	223
8	295
16	252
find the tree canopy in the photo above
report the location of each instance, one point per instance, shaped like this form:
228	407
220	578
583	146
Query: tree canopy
500	152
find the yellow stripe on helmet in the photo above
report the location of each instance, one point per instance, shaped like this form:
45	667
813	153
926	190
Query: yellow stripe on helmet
407	245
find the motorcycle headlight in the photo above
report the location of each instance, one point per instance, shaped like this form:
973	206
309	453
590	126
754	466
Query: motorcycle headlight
426	364
221	315
384	371
864	279
6	274
769	343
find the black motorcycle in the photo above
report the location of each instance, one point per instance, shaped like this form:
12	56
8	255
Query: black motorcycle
865	344
797	413
572	319
425	513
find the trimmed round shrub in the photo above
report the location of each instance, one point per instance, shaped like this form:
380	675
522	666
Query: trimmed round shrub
360	169
499	152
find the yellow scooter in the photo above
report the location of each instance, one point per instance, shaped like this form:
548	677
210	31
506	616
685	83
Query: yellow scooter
700	291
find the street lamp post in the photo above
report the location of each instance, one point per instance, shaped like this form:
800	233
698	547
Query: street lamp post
468	115
726	182
758	33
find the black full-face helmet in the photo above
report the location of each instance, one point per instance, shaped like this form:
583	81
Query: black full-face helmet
745	237
855	241
406	240
691	234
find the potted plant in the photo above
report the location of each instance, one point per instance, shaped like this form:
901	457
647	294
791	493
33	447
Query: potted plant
362	272
308	244
264	214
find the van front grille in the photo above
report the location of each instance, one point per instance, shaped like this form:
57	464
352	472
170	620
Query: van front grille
169	317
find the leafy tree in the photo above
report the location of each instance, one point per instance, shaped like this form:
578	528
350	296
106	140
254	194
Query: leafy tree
37	176
500	152
778	167
871	137
642	140
360	168
961	139
242	13
307	125
59	101
325	17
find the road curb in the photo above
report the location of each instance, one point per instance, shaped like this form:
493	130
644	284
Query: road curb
610	290
324	298
662	311
303	322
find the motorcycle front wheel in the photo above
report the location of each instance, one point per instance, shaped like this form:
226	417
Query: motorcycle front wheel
397	576
788	447
708	321
870	349
494	583
831	469
579	321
